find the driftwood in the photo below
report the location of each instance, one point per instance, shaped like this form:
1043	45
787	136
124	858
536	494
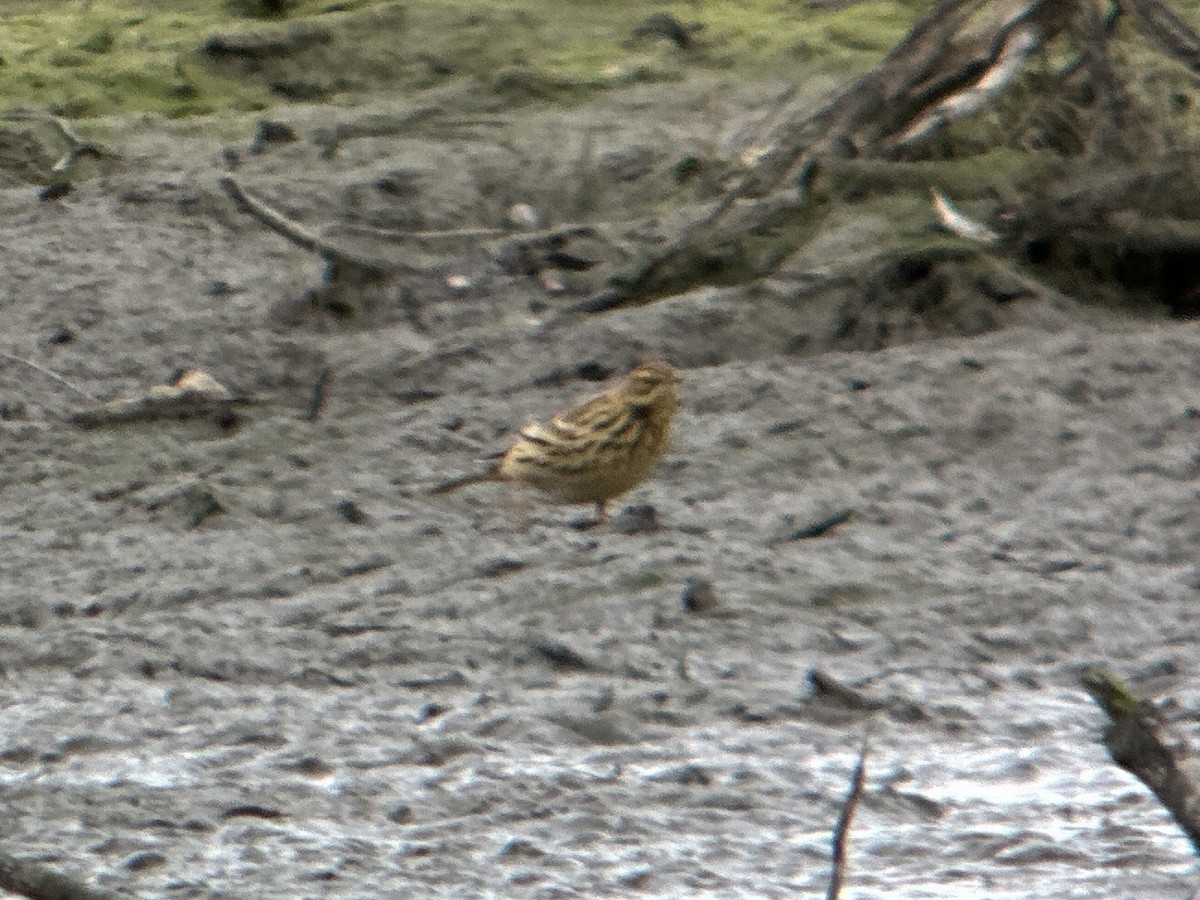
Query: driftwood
963	58
1140	741
936	75
189	394
40	882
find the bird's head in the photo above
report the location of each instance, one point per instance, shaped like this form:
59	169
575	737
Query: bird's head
652	384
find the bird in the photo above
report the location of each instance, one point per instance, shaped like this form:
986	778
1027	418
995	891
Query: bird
595	450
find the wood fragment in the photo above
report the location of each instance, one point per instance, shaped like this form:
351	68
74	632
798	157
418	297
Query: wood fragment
1141	742
275	220
77	147
191	393
40	882
1016	50
959	224
822	526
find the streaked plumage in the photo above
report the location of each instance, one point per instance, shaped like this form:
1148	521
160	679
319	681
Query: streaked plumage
596	450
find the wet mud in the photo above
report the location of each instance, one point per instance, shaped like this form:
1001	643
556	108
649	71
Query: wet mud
322	682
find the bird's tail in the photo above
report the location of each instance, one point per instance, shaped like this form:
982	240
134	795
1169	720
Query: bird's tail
492	474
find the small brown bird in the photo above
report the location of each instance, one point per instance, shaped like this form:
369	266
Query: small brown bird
596	450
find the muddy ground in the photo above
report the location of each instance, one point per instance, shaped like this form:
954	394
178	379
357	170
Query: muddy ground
336	686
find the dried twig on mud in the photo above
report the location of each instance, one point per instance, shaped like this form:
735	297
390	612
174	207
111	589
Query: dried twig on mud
77	147
351	273
281	224
841	831
351	278
1140	741
320	395
49	373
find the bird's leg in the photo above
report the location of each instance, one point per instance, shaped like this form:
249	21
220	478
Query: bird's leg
601	512
520	510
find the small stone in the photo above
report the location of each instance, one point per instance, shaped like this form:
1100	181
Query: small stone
699	596
400	815
199	502
55	191
272	133
11	410
640	519
221	288
146	860
666	26
592	371
500	566
349	510
635	878
519	847
689	774
524	216
431	711
562	657
312	767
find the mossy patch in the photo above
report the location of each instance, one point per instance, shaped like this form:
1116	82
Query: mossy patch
117	56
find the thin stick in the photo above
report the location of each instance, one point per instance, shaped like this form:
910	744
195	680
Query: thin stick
48	373
841	831
275	220
320	395
302	237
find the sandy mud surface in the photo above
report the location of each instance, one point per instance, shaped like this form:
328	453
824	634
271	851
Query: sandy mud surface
252	658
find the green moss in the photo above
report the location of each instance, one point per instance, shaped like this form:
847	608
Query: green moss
641	581
101	41
114	56
82	56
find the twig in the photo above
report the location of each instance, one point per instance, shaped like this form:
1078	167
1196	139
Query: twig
396	234
76	146
320	395
841	831
822	526
1011	59
48	373
347	260
275	220
1168	29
